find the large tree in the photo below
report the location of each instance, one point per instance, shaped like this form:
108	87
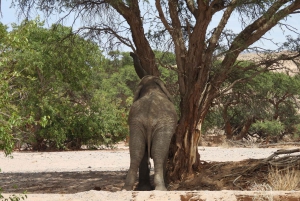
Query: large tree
183	25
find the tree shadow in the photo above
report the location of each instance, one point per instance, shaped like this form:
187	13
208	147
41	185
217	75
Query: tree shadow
62	182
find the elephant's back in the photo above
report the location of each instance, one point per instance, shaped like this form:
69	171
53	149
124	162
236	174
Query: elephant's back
153	108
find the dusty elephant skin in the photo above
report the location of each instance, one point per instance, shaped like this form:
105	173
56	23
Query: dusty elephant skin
152	121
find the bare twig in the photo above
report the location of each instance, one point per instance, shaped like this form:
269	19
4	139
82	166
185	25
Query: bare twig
236	184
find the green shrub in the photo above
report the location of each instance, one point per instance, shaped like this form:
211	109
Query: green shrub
270	128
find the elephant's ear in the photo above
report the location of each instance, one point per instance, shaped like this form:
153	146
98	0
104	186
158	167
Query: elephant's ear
163	88
137	66
137	93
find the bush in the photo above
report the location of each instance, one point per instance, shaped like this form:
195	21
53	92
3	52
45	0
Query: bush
269	128
53	95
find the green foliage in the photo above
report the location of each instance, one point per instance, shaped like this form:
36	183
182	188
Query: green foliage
114	121
13	197
120	79
58	64
168	76
57	90
213	119
10	118
272	128
297	131
267	97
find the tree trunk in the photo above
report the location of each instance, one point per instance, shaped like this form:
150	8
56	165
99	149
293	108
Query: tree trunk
245	129
228	127
184	156
228	130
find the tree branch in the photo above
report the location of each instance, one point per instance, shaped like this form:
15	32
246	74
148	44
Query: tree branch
267	64
109	30
217	5
252	33
162	16
216	35
180	49
191	6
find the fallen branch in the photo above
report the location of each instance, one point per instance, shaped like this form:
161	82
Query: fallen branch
275	159
284	161
236	184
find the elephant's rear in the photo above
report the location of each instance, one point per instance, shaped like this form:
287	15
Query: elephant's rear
152	122
152	112
154	119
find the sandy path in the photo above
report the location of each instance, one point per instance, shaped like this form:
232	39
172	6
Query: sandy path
108	160
117	160
169	196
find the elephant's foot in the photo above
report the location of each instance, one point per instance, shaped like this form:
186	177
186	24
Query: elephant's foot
127	188
160	188
144	187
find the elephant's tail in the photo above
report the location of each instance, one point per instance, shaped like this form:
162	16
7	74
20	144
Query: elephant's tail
149	140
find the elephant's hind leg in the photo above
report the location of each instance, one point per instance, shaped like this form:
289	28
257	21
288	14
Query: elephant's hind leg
160	149
137	151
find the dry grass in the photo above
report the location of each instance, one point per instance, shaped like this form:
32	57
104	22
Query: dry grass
279	180
260	187
263	192
284	179
226	144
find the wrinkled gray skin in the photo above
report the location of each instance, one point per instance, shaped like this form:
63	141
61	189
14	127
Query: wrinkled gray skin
152	122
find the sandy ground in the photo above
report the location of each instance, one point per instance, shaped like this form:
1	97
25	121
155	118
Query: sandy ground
169	196
109	160
118	160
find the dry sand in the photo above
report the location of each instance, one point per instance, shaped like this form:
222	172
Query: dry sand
108	160
118	160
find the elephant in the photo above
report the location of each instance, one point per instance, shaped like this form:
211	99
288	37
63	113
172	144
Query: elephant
152	122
